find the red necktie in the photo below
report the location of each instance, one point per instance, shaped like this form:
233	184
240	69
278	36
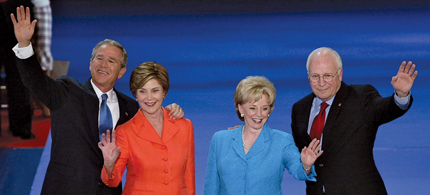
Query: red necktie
318	124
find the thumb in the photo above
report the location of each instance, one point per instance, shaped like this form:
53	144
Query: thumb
33	24
100	144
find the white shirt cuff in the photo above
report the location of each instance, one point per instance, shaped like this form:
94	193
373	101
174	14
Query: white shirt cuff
402	102
23	52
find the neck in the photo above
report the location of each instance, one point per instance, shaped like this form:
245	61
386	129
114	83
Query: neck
102	88
154	117
250	135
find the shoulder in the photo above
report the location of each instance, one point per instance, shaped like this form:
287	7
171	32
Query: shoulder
224	134
127	102
279	135
124	97
305	100
182	121
360	89
134	120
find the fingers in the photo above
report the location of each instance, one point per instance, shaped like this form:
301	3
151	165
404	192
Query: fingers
175	111
168	108
319	153
113	140
408	68
18	13
235	127
27	13
171	107
12	17
402	66
314	144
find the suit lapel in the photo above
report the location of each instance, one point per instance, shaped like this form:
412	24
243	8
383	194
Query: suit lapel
259	144
237	143
304	116
147	132
124	116
91	103
169	127
335	109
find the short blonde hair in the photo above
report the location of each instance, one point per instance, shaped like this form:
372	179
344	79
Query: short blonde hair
147	71
251	89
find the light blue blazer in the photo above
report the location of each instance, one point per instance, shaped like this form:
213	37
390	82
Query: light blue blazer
230	171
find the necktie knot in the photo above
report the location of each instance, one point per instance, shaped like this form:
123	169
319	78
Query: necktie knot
104	97
323	106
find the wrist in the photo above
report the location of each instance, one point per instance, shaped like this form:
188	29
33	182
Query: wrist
23	44
402	95
306	167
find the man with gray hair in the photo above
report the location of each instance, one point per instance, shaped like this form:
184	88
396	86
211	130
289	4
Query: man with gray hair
345	118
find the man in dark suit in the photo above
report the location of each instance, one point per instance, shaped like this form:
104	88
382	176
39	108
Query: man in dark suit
352	118
76	161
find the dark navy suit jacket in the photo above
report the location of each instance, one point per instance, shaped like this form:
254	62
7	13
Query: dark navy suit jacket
76	161
347	165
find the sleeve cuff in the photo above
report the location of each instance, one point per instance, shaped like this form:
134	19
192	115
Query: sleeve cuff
23	52
402	102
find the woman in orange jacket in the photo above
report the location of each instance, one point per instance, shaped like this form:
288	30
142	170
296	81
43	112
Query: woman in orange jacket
157	150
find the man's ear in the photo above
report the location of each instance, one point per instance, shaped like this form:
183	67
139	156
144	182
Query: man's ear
122	72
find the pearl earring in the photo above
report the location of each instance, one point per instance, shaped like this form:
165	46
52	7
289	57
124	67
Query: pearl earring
242	115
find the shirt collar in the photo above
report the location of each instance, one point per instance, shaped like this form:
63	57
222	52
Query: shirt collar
111	94
318	101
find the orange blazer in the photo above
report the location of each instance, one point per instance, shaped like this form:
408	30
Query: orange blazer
155	165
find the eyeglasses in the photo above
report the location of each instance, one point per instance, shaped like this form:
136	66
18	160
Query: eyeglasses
327	77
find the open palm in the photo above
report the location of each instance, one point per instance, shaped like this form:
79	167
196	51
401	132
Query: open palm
23	26
109	149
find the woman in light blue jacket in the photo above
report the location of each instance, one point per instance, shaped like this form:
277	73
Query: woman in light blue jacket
251	159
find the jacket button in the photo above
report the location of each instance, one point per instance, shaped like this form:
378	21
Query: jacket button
166	183
166	171
163	148
321	165
165	159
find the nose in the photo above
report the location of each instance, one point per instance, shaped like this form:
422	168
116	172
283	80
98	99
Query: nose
149	96
259	112
321	81
104	63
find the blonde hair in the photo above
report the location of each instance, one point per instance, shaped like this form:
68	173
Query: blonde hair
251	89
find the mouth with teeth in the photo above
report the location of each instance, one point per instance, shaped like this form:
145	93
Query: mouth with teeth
257	120
150	104
103	72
